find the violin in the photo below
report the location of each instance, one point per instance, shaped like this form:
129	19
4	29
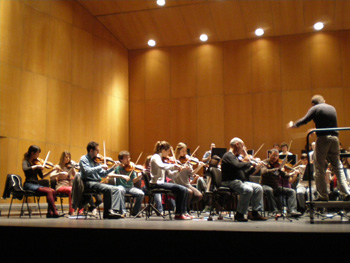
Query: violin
74	165
39	161
134	167
108	160
168	160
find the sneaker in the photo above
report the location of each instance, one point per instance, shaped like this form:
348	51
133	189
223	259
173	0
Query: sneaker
181	217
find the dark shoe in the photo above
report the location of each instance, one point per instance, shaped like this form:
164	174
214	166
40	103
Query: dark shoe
255	216
54	215
347	198
240	217
113	215
294	214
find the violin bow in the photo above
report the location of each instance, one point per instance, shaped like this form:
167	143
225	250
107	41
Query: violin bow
135	163
104	152
258	149
47	156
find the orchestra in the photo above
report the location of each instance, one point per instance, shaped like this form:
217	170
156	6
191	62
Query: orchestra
179	170
189	179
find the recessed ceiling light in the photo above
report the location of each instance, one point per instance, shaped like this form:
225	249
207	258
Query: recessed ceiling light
259	32
160	2
318	26
151	43
203	37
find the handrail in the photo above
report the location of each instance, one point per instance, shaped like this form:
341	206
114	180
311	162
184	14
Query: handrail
308	157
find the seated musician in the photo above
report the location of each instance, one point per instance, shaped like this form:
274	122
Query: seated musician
284	149
92	173
32	171
160	169
303	185
63	173
184	179
234	176
271	174
126	177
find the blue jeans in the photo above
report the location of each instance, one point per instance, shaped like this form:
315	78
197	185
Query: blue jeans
139	195
181	195
248	193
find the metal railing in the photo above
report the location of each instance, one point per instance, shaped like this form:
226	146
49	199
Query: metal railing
308	166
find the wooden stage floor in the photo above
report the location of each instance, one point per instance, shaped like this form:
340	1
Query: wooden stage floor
167	236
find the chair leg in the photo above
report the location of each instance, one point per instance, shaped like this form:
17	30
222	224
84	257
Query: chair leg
10	208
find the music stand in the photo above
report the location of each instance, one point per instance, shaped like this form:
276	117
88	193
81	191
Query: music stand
218	151
291	158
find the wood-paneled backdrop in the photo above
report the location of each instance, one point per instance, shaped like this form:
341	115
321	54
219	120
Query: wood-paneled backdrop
63	83
207	93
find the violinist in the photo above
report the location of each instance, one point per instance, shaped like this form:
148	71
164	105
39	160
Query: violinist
303	186
207	155
159	170
184	179
284	149
235	176
125	178
63	173
32	171
92	173
272	177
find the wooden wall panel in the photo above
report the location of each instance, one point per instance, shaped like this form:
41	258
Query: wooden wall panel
183	121
325	60
267	112
266	65
62	9
245	88
10	85
239	119
157	123
119	124
11	28
63	81
295	104
60	59
58	114
138	127
36	31
345	55
209	70
237	67
295	62
102	63
81	118
210	121
137	69
119	85
157	74
32	107
183	72
83	59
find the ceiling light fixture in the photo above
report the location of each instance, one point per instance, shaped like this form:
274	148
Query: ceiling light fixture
151	43
161	2
318	26
203	37
259	32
